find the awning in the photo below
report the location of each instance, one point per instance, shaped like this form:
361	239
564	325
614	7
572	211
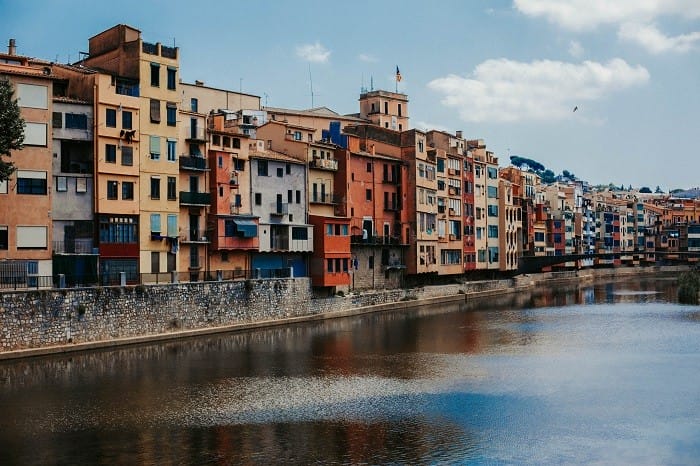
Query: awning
248	228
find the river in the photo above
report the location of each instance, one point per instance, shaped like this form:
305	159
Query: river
595	374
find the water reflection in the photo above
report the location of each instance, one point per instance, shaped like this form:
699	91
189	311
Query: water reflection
558	375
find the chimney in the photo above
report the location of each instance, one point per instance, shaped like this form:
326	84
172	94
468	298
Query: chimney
197	82
12	47
458	134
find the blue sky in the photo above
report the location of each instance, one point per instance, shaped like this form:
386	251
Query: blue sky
507	71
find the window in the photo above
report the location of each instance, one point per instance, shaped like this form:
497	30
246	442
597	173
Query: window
368	194
236	143
493	231
262	167
35	134
111	118
155	111
76	121
369	167
172	150
300	233
290	196
127	156
226	141
298	193
297	135
172	188
386	108
3	238
492	192
81	185
280	172
194	104
154	147
32	237
57	119
171	78
155	74
172	226
127	190
171	110
110	153
492	173
155	223
216	140
370	262
126	119
32	96
258	199
31	182
155	188
492	210
61	184
420	146
112	187
237	200
288	168
117	229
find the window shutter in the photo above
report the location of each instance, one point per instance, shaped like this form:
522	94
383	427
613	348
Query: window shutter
155	110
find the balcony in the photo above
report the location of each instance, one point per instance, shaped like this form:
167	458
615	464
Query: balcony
392	206
279	208
76	246
195	236
324	198
196	134
195	199
324	164
193	163
377	240
151	49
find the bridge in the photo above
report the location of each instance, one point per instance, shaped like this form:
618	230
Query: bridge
534	264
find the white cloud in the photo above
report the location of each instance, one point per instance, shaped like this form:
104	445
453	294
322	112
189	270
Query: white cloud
504	90
587	14
575	49
427	126
367	58
649	37
313	52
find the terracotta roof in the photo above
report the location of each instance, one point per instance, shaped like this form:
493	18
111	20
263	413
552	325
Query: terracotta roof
274	155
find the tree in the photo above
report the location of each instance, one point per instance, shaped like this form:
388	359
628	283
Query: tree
11	128
658	190
548	176
645	190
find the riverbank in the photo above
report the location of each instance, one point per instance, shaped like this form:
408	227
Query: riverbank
40	323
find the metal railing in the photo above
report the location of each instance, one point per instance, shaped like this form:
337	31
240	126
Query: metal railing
58	281
77	246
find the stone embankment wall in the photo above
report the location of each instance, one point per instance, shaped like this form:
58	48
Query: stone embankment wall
75	318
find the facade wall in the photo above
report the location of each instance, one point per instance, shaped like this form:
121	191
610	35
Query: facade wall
25	199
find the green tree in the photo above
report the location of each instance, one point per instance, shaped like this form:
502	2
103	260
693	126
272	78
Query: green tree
11	128
645	189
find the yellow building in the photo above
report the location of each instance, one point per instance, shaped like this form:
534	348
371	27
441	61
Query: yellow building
145	75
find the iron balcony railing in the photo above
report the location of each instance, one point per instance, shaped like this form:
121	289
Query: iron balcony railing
193	163
196	199
77	246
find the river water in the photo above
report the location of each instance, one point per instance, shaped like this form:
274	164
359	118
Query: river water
598	374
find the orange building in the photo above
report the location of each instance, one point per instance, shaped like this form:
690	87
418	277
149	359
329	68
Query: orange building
25	198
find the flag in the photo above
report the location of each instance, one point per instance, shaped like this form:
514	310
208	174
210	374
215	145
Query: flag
398	75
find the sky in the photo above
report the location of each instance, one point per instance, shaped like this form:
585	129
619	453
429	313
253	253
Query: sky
510	72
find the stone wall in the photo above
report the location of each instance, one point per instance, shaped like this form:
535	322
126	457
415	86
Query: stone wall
70	317
37	319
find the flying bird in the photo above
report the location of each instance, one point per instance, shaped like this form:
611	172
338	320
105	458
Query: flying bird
575	108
